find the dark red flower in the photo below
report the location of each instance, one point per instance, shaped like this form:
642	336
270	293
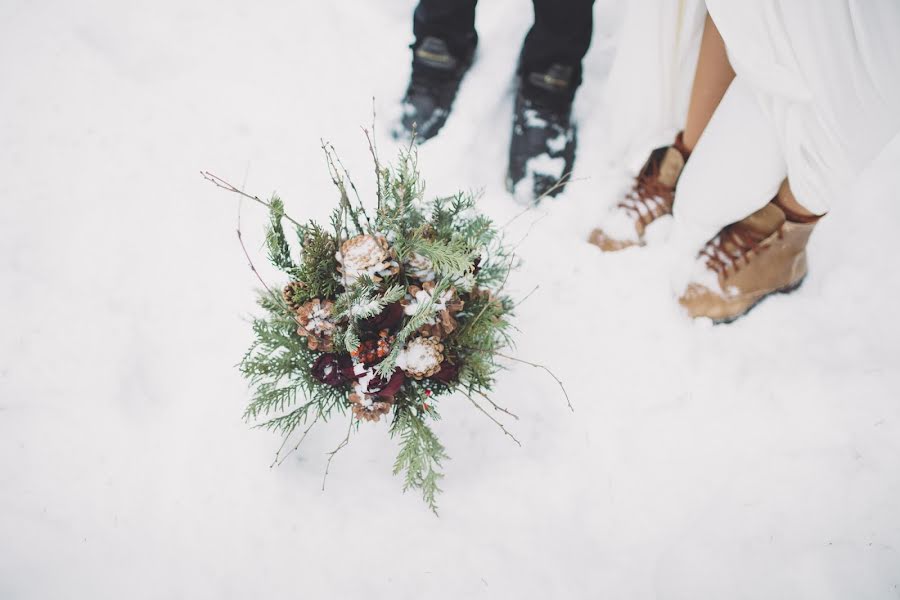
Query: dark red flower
448	373
476	266
333	369
378	386
389	319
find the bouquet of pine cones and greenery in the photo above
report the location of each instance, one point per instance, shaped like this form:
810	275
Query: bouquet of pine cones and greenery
385	312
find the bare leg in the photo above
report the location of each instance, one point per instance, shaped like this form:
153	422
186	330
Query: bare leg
713	76
794	210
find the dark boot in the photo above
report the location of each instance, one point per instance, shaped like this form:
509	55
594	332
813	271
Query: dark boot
436	75
542	149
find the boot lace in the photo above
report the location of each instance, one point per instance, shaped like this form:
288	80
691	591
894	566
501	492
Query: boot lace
731	249
648	199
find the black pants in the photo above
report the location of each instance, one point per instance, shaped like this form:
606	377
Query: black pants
561	32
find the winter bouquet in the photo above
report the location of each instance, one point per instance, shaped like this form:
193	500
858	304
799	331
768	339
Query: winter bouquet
385	313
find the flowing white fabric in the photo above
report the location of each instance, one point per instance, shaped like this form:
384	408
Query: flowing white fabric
650	80
816	98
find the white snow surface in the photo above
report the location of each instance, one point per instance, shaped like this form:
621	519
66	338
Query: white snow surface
756	460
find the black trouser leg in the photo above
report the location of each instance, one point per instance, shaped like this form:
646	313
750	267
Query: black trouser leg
450	20
561	34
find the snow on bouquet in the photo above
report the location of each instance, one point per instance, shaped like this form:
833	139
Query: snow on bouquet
385	312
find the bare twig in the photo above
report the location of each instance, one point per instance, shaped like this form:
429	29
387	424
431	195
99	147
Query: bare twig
340	447
527	296
373	150
539	366
489	416
497	406
509	268
564	180
349	179
331	161
528	232
374	143
219	182
297	445
247	254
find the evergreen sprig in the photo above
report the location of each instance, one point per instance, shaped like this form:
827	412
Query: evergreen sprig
420	456
468	259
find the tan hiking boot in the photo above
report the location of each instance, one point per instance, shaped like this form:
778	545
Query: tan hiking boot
747	261
651	197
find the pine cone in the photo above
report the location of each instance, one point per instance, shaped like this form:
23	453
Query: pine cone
290	292
366	255
315	323
422	357
448	305
367	408
420	267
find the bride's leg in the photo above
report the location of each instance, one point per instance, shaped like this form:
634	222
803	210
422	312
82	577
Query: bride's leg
713	75
653	193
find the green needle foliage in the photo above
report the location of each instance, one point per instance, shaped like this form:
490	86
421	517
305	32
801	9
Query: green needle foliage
300	377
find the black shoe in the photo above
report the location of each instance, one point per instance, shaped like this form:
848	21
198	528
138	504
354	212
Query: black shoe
436	75
542	150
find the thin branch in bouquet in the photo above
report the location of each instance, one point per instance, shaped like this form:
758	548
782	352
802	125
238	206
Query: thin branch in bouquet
340	447
332	161
240	238
497	406
219	182
527	296
564	180
528	232
491	417
280	461
540	366
373	149
509	268
359	201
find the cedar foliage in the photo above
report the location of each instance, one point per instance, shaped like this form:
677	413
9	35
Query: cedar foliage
466	252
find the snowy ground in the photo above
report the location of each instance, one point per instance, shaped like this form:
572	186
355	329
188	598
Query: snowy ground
758	460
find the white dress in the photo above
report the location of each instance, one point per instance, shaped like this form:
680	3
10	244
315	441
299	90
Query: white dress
816	98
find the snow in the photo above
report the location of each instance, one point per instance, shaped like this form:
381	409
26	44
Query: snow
558	143
542	164
755	460
533	118
423	297
418	356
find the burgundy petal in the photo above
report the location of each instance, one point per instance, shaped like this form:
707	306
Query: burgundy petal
331	369
389	319
392	386
448	373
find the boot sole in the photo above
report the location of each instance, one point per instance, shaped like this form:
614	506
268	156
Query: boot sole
785	290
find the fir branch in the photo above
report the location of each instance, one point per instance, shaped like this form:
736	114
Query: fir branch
450	258
420	456
276	243
318	264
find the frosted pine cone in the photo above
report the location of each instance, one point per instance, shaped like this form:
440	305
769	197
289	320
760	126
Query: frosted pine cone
422	357
420	267
289	294
366	255
368	408
315	323
443	321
